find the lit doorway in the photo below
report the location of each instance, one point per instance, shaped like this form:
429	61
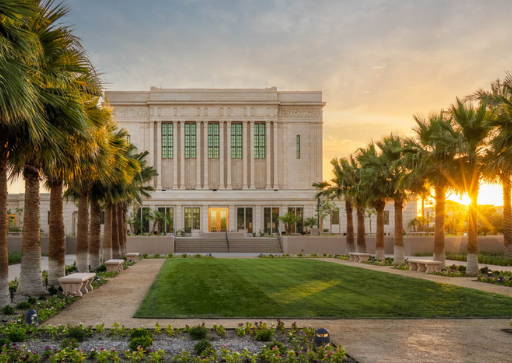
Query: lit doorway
218	219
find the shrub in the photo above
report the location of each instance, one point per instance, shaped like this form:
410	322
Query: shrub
198	332
78	332
4	341
220	330
16	333
202	346
23	305
143	342
139	332
264	335
8	310
69	343
32	300
14	258
101	268
169	255
68	355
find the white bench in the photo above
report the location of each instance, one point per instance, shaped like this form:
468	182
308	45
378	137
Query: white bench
133	256
114	265
427	266
77	284
358	256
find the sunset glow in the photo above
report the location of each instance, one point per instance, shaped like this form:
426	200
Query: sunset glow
489	194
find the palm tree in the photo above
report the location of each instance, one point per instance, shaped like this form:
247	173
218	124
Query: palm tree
498	164
373	185
60	65
20	107
473	126
342	185
430	158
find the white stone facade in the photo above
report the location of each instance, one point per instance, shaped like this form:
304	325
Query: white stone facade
258	149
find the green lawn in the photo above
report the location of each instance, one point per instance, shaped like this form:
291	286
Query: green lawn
302	288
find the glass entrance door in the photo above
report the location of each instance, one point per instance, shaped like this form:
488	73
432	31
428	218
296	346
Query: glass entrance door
244	219
218	219
270	220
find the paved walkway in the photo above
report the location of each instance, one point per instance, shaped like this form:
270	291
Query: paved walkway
368	340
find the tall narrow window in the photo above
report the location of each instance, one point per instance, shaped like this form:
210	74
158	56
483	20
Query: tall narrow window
236	140
192	218
297	146
335	216
190	140
213	140
167	146
259	140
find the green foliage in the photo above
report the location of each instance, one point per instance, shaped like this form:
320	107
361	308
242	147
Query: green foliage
198	332
139	332
68	355
78	332
202	347
264	335
8	310
14	257
484	258
16	333
220	330
23	305
142	341
107	356
70	343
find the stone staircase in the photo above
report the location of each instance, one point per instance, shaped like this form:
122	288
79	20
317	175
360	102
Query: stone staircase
220	245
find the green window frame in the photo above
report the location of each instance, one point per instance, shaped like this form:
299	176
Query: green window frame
190	140
259	140
167	140
236	140
297	146
213	140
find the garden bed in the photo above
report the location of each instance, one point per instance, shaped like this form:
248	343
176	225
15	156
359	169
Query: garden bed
249	342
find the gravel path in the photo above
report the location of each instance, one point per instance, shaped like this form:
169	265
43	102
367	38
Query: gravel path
367	340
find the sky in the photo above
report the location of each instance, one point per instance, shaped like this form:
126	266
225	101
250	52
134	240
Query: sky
378	62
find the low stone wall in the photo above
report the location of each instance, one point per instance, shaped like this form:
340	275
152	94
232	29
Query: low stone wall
412	244
15	244
162	245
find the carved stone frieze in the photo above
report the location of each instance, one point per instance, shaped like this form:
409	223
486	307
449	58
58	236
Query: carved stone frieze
300	113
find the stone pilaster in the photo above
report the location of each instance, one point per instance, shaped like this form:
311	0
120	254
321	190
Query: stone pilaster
198	155
268	154
228	155
175	153
251	153
245	150
159	155
222	184
206	184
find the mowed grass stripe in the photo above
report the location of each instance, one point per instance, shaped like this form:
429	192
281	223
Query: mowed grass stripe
302	288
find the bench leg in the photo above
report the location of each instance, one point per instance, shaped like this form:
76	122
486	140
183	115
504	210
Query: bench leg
422	268
413	266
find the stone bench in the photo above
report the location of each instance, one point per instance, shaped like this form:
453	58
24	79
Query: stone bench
358	256
114	265
133	256
427	266
77	284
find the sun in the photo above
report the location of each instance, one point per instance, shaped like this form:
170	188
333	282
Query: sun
488	194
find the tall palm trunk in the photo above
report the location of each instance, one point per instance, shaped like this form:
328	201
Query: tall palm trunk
107	234
398	248
94	234
379	243
4	249
56	235
115	232
472	257
350	226
125	232
120	230
507	215
30	277
82	235
439	250
361	239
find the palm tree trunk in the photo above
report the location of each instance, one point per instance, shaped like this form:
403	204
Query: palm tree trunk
398	249
507	216
82	238
4	247
115	232
472	257
30	277
120	230
56	236
361	240
94	234
439	251
379	244
107	234
350	226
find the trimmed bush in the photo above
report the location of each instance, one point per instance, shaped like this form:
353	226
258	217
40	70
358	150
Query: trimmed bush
198	332
143	342
202	346
264	335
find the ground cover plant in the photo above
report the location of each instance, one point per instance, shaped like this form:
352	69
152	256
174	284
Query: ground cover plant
250	342
483	258
305	288
495	277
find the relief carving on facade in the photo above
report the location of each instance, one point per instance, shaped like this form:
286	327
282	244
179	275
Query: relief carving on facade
130	113
309	113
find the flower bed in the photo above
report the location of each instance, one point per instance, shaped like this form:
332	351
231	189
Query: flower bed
452	271
248	343
495	277
388	261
